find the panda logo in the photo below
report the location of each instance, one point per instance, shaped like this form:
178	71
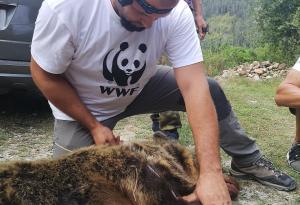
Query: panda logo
124	72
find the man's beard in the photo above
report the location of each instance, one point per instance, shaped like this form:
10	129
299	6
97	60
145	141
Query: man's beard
129	26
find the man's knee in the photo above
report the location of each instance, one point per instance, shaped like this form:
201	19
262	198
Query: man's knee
68	136
59	150
221	103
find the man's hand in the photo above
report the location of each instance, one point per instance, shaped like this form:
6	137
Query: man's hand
211	189
202	116
49	84
201	26
103	135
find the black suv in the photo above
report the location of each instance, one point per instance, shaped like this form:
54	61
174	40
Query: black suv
17	19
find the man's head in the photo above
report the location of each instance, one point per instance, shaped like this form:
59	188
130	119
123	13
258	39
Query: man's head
137	15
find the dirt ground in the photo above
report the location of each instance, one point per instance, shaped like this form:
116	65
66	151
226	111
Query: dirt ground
26	134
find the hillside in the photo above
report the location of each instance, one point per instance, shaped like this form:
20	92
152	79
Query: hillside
250	30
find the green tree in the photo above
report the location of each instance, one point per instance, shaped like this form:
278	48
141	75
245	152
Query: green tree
280	22
231	23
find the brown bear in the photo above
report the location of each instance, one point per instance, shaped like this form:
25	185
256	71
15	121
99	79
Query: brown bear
137	173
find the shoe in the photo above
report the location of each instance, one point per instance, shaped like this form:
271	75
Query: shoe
264	172
155	122
167	134
293	157
155	126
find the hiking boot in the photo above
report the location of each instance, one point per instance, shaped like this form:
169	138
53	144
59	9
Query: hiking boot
155	122
167	134
264	172
155	126
293	157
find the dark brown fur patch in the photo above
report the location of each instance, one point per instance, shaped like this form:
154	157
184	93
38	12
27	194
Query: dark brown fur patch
133	174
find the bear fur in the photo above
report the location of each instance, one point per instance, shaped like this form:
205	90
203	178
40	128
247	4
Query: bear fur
138	173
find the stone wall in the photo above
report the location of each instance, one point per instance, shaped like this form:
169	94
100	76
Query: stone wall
257	70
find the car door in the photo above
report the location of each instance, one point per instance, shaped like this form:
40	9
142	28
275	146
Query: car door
17	19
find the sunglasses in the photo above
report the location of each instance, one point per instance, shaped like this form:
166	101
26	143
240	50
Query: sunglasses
148	8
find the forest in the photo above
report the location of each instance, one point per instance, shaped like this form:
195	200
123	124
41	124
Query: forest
250	30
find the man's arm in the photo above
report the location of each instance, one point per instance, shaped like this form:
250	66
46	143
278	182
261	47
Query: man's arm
59	92
199	18
288	92
193	85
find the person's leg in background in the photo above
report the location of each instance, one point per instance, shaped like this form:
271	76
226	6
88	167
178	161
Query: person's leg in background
293	155
166	123
155	121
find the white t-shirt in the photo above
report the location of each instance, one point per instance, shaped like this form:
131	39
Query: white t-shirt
297	65
107	65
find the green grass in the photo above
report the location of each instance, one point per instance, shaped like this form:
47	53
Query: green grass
273	127
253	102
227	56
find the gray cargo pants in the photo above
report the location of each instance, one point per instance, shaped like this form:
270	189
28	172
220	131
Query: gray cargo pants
162	94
